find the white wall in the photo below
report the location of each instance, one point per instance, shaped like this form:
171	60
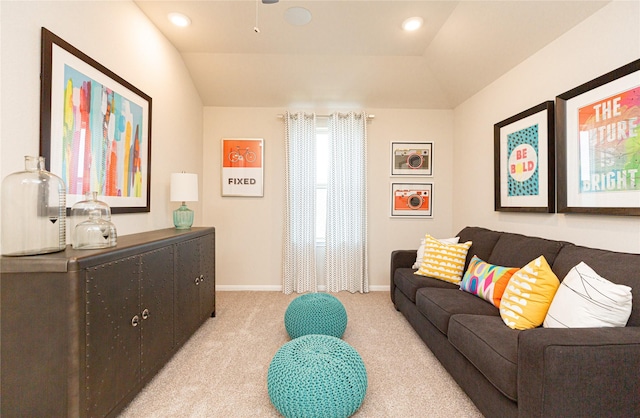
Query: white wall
120	37
605	41
249	230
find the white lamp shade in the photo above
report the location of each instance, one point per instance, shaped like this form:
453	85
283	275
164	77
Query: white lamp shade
184	187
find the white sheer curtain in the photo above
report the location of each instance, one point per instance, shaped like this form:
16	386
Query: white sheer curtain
299	256
346	244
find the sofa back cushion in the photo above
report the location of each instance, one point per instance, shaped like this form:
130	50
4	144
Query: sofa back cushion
621	268
483	242
517	250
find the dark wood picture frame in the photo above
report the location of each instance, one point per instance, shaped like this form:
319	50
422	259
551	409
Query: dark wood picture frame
131	192
571	188
542	116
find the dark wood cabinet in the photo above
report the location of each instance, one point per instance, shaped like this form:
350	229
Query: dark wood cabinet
84	331
156	309
207	285
195	285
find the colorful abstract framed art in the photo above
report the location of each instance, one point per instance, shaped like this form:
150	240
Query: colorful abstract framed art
95	129
524	163
599	145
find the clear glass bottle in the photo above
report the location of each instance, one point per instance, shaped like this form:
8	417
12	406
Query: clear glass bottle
33	211
94	233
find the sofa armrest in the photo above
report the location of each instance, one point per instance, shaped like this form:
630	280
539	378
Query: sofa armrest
579	372
400	259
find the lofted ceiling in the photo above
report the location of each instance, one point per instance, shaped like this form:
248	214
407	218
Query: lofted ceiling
355	53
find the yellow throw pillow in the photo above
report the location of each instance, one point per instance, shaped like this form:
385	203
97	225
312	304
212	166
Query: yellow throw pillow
528	295
443	261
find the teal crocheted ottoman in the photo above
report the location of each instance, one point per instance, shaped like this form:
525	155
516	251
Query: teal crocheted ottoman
315	313
317	376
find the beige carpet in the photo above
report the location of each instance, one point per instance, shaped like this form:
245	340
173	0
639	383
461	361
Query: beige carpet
222	370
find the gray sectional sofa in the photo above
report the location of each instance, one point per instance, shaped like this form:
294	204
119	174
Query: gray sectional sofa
540	372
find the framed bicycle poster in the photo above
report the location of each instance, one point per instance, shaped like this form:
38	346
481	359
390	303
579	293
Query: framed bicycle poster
243	167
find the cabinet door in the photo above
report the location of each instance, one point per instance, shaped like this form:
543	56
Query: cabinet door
187	296
156	307
208	272
112	366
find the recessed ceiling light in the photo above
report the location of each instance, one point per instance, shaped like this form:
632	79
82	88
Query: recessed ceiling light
413	23
179	19
298	16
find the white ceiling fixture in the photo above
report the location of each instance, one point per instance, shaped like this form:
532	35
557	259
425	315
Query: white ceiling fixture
412	23
297	16
179	19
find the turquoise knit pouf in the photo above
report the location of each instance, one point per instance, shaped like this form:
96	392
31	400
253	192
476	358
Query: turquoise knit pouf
315	313
317	376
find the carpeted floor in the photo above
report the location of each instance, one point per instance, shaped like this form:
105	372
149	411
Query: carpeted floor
222	370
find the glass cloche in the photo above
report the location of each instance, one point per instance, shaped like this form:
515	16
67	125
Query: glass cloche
94	233
91	225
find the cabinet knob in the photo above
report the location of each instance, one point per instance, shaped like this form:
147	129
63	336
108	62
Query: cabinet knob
135	321
197	281
201	278
145	314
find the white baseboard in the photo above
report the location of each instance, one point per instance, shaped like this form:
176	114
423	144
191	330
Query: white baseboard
278	288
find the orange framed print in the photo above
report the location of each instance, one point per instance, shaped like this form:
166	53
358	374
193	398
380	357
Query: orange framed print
412	199
243	167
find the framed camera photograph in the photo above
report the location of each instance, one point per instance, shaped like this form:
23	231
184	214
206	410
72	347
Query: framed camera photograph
412	199
412	158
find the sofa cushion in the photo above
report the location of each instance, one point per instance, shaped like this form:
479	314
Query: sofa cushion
526	299
437	305
517	250
490	346
487	281
587	300
443	261
420	252
621	268
483	242
409	283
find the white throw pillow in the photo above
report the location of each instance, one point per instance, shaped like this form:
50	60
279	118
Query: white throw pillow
420	256
586	300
